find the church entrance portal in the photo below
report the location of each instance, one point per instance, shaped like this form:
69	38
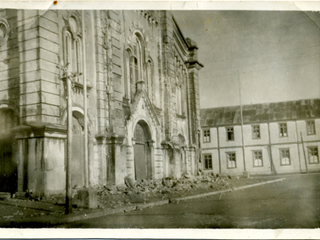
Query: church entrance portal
142	151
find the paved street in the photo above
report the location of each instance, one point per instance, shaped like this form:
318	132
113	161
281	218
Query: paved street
292	203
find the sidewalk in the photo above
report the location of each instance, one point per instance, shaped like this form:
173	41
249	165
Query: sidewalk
46	213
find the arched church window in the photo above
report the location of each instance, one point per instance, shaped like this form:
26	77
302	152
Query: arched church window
139	54
128	81
133	74
184	93
150	87
78	57
178	95
68	50
72	44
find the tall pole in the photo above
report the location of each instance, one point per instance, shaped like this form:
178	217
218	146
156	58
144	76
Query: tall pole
241	117
86	168
69	144
304	152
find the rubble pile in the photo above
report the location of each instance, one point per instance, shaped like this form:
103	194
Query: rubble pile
143	191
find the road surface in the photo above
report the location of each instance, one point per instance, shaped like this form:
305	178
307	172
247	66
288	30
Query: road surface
292	203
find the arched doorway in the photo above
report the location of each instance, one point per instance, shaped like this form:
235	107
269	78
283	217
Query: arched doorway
8	168
77	162
142	151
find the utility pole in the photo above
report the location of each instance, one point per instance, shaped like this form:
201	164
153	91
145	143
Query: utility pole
241	117
85	103
67	77
69	145
304	152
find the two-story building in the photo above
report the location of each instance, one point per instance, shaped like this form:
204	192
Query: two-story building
270	138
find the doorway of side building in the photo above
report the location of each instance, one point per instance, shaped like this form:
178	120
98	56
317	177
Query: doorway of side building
142	151
8	168
77	163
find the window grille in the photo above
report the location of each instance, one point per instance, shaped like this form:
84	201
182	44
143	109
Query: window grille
311	128
283	130
285	157
207	161
231	160
313	155
255	131
230	133
206	136
257	159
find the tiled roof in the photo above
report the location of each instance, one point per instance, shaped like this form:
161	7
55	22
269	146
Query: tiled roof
258	113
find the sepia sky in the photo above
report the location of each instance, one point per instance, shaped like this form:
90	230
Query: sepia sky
274	55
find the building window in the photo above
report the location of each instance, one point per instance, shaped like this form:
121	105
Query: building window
184	93
150	82
207	161
283	130
285	157
72	49
255	131
313	155
311	128
206	136
230	133
138	51
257	158
179	102
231	160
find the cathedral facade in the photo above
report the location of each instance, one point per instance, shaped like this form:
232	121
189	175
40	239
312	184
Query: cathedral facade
134	98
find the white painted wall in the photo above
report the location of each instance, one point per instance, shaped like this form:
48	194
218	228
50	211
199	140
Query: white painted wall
266	166
275	132
215	160
264	138
294	158
223	137
213	138
239	161
298	157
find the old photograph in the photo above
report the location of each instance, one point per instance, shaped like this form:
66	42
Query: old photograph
162	119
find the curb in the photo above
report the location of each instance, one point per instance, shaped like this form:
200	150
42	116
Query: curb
223	191
113	211
62	219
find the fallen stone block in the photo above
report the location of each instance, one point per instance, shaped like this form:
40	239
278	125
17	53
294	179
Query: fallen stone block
129	182
4	195
87	198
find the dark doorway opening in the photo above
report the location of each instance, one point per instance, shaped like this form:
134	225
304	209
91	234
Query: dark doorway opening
8	168
142	151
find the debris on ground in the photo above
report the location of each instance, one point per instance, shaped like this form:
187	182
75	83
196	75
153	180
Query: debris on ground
143	191
130	193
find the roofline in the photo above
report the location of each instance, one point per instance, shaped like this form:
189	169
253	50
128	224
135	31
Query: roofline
259	122
179	31
260	103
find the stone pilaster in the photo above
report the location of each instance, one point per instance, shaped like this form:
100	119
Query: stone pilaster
40	157
116	164
102	156
130	161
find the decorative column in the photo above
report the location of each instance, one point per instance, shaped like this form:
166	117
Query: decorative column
165	160
177	162
130	161
152	163
102	155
